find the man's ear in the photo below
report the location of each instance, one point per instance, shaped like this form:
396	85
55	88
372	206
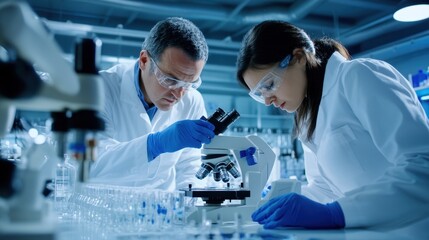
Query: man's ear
143	60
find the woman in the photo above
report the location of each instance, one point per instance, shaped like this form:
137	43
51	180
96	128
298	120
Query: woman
364	133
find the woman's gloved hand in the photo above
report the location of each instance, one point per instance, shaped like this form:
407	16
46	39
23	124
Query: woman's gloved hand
181	134
294	210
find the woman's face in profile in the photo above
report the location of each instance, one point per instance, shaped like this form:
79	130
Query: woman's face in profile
292	87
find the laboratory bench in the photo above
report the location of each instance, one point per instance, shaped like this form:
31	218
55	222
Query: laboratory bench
253	232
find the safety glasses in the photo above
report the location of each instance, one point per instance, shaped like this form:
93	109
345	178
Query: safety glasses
172	83
270	82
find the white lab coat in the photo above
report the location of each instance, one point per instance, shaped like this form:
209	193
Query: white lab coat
370	150
122	152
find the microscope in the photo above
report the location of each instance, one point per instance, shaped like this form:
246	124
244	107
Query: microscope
73	98
231	156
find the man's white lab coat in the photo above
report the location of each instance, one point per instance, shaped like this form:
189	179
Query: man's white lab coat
123	158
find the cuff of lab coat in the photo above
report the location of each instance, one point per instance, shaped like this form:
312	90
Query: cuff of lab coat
352	214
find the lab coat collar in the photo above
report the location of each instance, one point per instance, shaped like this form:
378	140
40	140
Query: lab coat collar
331	72
150	110
137	85
128	90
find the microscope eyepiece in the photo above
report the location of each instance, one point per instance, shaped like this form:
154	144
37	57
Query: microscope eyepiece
230	117
216	116
222	120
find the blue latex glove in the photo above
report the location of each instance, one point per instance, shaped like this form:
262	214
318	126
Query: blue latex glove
181	134
294	210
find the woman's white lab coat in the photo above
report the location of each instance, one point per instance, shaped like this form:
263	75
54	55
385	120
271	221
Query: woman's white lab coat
370	150
122	152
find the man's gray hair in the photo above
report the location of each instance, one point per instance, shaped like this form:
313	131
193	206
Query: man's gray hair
176	32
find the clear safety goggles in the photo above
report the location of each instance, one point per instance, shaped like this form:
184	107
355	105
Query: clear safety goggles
270	82
173	83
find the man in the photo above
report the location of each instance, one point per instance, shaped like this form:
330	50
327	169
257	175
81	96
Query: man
153	128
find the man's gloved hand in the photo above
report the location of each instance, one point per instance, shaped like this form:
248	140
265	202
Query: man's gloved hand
181	134
294	210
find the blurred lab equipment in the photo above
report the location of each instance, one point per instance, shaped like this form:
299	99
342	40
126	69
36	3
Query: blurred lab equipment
121	212
423	95
64	185
120	209
73	100
420	79
291	167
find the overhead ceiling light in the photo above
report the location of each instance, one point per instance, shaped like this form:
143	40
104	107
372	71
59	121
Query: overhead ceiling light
412	13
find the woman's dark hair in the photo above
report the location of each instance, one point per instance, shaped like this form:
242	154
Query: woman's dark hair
269	42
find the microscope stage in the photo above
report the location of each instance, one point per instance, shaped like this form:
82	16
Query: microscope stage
217	196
